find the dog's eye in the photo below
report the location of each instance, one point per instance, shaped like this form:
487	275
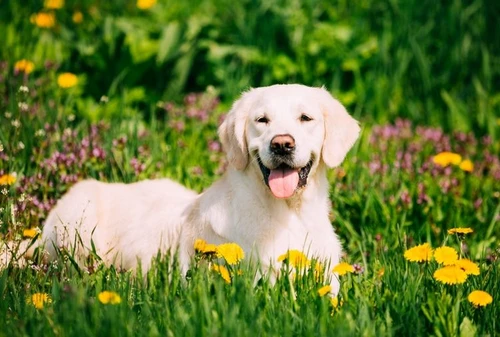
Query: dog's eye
305	118
262	119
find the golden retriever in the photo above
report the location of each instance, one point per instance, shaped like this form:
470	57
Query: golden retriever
279	141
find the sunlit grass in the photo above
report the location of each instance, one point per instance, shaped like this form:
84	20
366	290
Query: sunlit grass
377	216
408	197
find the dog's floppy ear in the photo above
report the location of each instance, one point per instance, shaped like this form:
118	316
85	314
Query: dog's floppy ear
232	133
341	130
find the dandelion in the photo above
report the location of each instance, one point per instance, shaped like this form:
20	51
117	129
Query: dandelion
201	246
318	271
460	230
420	253
145	4
446	255
43	20
466	166
343	268
335	302
109	297
53	4
38	300
67	80
450	275
480	298
231	252
7	179
469	267
295	258
77	17
224	273
446	158
24	66
30	233
324	290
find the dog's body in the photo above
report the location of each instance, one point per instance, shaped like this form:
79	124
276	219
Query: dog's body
274	197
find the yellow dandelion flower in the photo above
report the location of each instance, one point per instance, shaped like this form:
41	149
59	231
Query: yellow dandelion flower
381	272
450	275
466	166
231	252
324	290
318	271
420	253
77	17
30	233
7	179
224	273
446	255
38	300
295	258
145	4
460	230
343	268
469	267
24	66
53	4
43	19
480	298
109	297
67	80
201	246
335	302
446	158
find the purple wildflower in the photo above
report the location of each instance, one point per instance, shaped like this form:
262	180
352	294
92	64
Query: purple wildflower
358	269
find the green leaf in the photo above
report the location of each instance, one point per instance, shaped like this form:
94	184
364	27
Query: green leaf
467	328
169	40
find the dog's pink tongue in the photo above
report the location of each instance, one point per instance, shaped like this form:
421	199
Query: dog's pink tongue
283	182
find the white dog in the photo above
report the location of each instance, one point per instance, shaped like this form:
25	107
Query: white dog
274	197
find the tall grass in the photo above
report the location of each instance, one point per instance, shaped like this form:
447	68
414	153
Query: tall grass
388	196
128	119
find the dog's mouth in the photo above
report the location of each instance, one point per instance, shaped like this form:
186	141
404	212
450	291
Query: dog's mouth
284	180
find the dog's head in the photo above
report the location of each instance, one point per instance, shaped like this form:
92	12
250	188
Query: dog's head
286	131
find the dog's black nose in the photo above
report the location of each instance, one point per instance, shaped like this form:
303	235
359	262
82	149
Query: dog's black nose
282	145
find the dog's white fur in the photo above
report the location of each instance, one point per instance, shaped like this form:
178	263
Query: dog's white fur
131	223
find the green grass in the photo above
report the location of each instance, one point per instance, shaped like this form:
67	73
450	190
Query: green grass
119	124
376	224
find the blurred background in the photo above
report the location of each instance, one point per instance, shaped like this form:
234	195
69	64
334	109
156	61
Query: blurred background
434	62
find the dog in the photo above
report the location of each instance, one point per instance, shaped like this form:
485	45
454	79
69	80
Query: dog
274	197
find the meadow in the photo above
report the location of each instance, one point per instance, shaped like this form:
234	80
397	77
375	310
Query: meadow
132	90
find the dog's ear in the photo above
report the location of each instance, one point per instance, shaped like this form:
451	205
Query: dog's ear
232	133
341	130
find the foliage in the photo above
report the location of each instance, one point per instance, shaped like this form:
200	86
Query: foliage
125	117
432	62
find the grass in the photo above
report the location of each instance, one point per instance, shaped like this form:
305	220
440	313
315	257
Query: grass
387	197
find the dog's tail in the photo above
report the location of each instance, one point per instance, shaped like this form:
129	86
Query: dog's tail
17	252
